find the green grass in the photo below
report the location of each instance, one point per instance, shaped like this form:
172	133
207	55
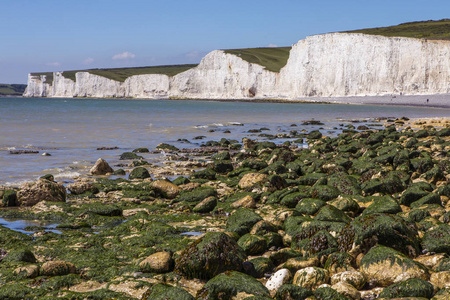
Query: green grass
12	89
273	59
437	30
49	75
121	74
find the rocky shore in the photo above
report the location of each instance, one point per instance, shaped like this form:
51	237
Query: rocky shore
364	215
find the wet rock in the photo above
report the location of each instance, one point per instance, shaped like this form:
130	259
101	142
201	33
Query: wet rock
141	150
242	221
292	291
167	147
164	292
440	280
101	167
159	262
130	156
413	287
32	193
29	271
139	173
347	290
229	284
311	277
277	280
57	268
252	244
10	198
247	202
166	188
385	266
209	256
81	186
23	152
250	179
206	205
355	278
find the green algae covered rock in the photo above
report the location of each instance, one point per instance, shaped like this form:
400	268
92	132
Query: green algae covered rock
346	184
324	192
332	214
388	230
208	174
10	198
209	256
130	156
228	284
166	292
383	204
292	291
309	206
252	244
438	239
139	173
413	287
385	266
197	194
167	147
311	277
327	293
262	266
242	221
24	255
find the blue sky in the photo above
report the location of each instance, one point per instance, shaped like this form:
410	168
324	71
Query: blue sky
43	36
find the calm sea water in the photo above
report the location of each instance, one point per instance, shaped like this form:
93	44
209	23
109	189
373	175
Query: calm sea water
71	130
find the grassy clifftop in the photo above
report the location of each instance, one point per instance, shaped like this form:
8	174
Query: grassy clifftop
438	30
12	89
273	59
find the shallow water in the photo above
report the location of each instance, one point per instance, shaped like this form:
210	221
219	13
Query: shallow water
72	129
19	225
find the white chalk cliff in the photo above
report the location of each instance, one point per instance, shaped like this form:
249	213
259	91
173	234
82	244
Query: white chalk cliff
335	64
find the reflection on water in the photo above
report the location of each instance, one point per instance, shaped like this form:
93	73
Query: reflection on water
31	226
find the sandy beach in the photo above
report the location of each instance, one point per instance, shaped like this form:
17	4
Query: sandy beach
438	100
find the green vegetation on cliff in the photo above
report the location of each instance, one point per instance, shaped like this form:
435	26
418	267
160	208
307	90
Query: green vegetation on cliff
48	79
12	89
436	30
273	59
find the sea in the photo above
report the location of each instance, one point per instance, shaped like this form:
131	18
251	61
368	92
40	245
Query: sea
72	130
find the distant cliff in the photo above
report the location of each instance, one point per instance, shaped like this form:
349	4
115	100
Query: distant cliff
335	64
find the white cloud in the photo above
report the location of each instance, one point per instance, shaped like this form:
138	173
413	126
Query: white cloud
272	45
124	55
53	64
88	61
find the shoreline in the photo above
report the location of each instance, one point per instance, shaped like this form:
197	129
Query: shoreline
434	100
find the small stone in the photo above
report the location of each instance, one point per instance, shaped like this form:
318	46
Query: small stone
354	278
347	289
46	154
30	271
160	262
58	268
167	188
311	277
278	279
250	179
101	167
440	280
247	202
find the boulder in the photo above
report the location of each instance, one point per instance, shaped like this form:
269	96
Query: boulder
101	167
311	277
206	205
10	198
354	278
139	173
250	179
41	190
247	202
385	266
159	262
242	221
82	186
166	292
413	287
229	284
279	278
58	268
252	244
347	290
209	256
437	239
292	291
166	188
29	271
440	280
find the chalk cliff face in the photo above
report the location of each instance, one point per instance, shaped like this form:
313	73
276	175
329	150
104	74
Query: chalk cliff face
340	64
335	64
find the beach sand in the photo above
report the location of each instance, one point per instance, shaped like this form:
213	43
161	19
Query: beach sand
439	100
